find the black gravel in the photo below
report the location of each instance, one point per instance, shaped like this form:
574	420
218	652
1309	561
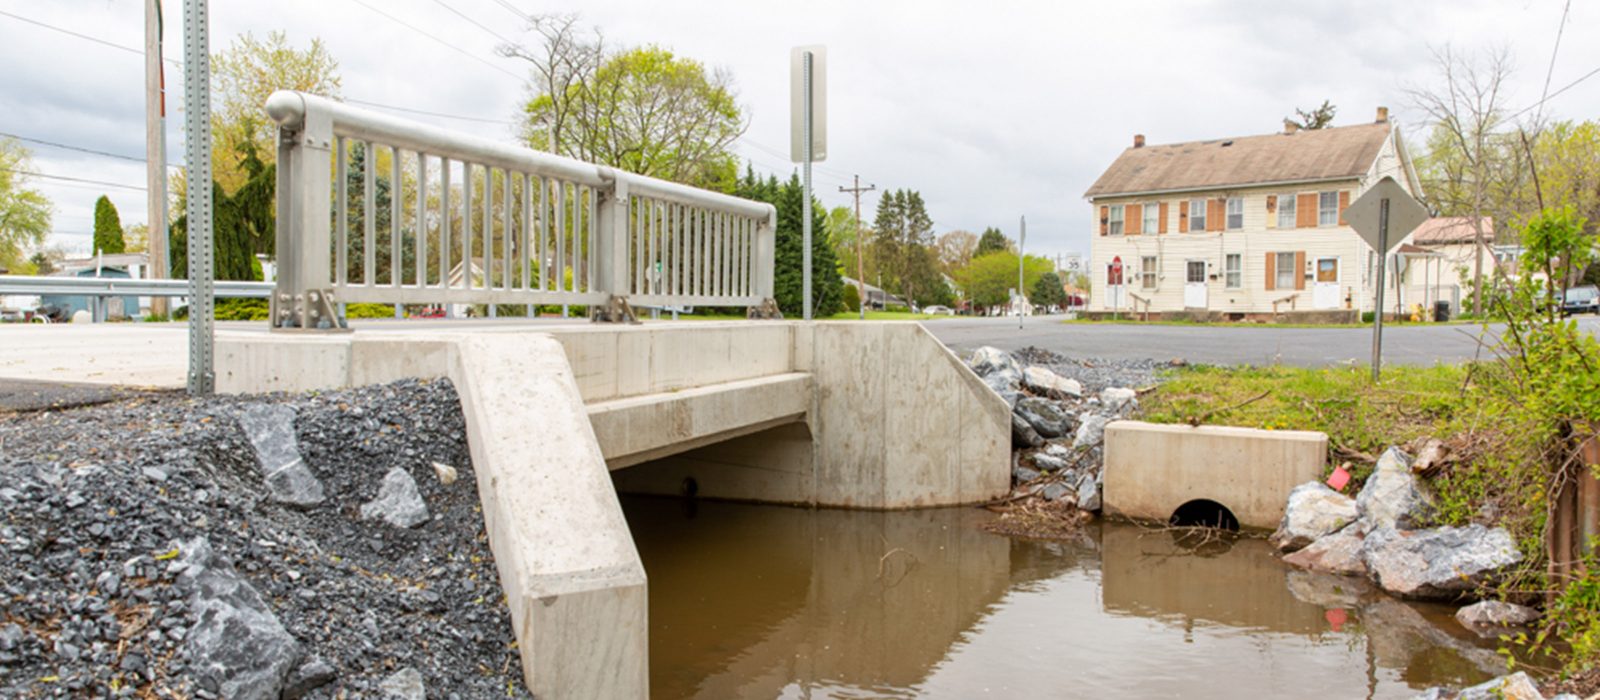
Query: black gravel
93	502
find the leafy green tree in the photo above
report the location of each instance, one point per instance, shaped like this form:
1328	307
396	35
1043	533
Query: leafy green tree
382	212
992	241
24	212
242	223
988	278
242	77
1318	118
903	248
42	264
644	110
827	290
107	227
1048	291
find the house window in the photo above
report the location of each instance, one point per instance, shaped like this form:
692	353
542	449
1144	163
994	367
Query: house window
1327	208
1286	211
1197	215
1234	269
1235	213
1114	225
1286	271
1152	217
1147	272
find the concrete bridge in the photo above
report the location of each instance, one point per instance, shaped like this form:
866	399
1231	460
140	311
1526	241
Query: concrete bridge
850	414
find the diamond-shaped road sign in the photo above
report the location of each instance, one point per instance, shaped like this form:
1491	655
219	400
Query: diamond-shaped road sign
1405	214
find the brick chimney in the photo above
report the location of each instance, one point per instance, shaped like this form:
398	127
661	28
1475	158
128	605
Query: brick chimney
1289	126
1138	140
1383	115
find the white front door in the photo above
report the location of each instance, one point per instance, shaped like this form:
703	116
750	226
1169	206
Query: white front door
1194	284
1325	295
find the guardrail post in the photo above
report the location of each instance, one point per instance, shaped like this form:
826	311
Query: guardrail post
611	252
765	257
303	297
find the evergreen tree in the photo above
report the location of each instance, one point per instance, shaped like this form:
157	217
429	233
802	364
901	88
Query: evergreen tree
903	248
241	225
107	227
1048	291
827	290
992	241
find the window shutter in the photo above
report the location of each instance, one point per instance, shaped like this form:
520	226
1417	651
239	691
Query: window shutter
1215	210
1272	211
1132	219
1300	269
1183	216
1162	228
1305	211
1272	271
1344	201
1105	218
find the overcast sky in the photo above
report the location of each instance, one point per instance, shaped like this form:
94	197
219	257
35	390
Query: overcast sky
992	110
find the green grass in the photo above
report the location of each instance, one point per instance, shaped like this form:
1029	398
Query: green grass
1358	416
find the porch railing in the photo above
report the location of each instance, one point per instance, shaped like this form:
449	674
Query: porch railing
375	208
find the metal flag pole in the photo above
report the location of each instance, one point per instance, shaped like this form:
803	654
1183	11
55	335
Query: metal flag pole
805	202
197	157
1383	263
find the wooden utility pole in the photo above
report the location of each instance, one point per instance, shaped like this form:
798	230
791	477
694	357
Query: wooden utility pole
155	149
861	264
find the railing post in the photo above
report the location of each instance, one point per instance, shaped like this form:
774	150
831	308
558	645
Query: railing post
765	254
303	297
611	251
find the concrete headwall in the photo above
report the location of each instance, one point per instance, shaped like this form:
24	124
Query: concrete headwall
1151	469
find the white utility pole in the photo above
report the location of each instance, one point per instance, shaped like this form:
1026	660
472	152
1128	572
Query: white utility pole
155	148
1022	292
808	140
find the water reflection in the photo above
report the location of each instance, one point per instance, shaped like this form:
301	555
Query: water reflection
771	602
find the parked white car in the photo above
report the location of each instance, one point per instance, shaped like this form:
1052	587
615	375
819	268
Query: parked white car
939	310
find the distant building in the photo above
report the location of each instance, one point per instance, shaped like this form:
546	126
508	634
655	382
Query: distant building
118	265
876	298
1242	227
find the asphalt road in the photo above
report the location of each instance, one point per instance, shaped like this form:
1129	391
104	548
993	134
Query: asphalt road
1224	344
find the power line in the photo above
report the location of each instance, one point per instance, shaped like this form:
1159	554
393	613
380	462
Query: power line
1553	95
410	110
1554	50
513	10
81	149
475	23
86	37
102	183
447	44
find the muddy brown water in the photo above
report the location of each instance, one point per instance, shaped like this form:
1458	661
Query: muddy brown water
753	601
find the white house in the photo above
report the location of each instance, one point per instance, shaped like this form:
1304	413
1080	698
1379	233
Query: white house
1245	227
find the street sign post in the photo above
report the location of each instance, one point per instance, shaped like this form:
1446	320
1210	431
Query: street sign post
1384	215
808	141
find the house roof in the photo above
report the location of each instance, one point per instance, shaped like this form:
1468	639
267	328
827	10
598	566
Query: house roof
1451	229
1304	156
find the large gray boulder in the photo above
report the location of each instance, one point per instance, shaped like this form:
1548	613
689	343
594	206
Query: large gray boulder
235	647
1047	417
1119	399
1044	382
1517	686
1022	434
1488	618
1313	511
1091	431
1088	493
398	502
270	429
989	359
1338	553
1393	497
1438	563
404	684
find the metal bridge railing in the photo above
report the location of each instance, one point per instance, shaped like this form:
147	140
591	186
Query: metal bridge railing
375	208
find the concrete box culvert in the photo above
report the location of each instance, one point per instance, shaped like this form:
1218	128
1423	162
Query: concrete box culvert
1152	470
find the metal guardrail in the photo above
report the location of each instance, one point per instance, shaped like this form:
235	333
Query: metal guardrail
122	286
475	221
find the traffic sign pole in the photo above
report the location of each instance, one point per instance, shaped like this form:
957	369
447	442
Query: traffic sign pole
1383	263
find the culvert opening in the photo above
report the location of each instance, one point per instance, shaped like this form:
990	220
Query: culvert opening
1204	513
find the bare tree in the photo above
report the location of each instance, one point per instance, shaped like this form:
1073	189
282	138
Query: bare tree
563	61
1467	112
